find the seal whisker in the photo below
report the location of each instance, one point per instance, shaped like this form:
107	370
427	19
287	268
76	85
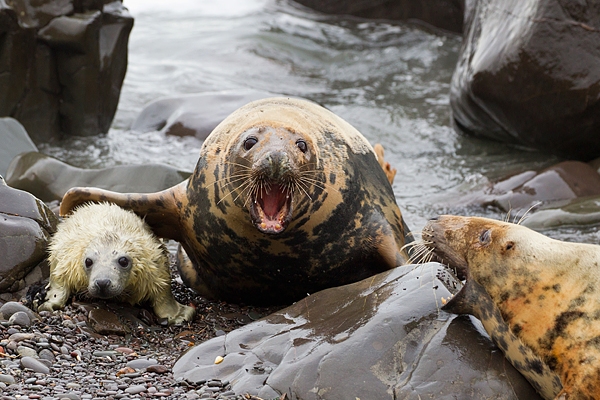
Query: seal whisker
300	188
317	183
525	214
241	187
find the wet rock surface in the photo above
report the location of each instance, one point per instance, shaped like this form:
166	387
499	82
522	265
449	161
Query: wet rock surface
381	338
62	64
193	115
531	190
14	140
49	178
26	224
445	14
526	75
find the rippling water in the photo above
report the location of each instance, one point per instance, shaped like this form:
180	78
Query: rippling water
390	80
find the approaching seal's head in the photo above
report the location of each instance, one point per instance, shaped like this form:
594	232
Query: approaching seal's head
272	168
546	291
110	253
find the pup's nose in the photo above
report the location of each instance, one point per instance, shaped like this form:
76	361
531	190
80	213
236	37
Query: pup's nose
103	284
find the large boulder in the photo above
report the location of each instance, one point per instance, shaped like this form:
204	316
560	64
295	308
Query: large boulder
26	225
193	114
62	63
381	338
13	141
444	14
49	179
528	75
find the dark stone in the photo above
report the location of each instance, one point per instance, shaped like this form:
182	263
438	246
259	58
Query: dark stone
62	63
13	141
26	224
444	14
567	180
383	338
192	115
48	178
527	75
105	322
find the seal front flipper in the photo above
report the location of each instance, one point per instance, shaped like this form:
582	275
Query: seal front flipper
56	297
160	210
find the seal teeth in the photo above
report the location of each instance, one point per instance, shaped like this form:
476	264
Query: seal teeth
271	208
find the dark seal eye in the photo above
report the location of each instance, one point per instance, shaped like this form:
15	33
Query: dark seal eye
123	262
509	245
249	143
88	262
485	237
302	145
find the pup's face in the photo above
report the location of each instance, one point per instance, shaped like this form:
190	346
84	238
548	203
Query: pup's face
108	268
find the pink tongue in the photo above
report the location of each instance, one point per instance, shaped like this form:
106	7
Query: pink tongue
271	204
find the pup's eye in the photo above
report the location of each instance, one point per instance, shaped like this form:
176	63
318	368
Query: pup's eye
302	145
509	245
88	262
485	237
249	143
123	262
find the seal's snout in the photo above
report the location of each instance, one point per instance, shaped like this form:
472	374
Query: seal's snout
103	288
102	284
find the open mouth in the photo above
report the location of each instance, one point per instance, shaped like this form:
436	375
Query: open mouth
271	208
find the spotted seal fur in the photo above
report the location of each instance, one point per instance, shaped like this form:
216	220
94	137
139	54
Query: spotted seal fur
546	292
110	253
286	199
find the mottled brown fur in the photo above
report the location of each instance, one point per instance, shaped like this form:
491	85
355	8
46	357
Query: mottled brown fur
343	222
546	290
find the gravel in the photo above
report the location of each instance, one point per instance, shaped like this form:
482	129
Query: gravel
58	355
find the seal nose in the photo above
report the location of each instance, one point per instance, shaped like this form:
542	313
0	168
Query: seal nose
277	164
102	284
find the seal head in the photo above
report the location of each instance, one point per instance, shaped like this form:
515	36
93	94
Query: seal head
271	170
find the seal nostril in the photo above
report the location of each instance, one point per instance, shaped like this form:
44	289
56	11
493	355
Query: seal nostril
102	284
434	218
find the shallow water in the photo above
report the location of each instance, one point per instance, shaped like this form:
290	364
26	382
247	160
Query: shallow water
389	80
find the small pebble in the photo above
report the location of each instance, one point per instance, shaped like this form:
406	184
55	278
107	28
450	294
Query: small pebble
135	389
35	365
20	318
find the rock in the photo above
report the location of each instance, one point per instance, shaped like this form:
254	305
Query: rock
384	337
48	355
565	181
26	224
25	351
136	389
105	322
577	212
35	365
48	178
62	64
7	379
15	140
141	363
192	115
527	75
12	307
20	318
445	14
157	369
